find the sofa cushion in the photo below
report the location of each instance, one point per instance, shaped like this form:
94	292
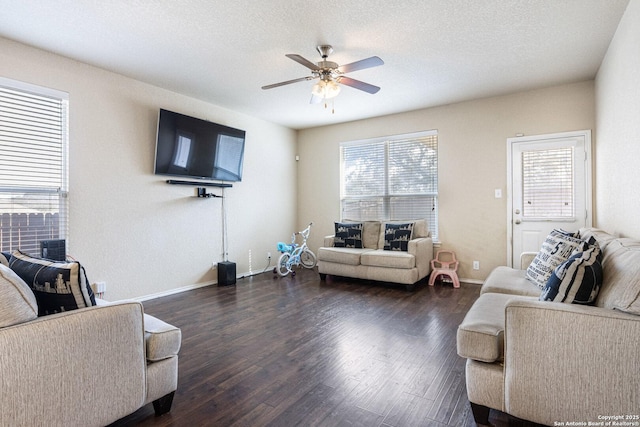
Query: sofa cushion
507	280
481	334
371	234
162	340
17	302
397	236
390	259
420	229
621	282
348	235
601	237
348	256
58	286
577	280
557	248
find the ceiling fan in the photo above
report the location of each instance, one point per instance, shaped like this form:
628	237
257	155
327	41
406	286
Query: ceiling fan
331	74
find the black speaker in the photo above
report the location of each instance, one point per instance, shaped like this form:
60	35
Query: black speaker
226	273
53	249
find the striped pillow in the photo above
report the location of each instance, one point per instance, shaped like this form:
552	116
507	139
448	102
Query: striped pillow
577	280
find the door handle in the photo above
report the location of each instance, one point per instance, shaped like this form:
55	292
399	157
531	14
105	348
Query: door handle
518	221
517	212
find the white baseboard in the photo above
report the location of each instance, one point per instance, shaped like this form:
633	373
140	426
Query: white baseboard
239	277
472	281
174	291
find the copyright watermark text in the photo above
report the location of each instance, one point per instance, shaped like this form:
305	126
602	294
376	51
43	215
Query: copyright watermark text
604	421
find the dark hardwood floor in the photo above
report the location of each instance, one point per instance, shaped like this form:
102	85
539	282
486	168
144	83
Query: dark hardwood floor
297	351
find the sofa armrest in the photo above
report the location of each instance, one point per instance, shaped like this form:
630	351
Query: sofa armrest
89	363
328	241
526	258
422	249
570	362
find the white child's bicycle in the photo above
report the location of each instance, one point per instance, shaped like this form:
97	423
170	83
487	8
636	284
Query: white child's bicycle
295	254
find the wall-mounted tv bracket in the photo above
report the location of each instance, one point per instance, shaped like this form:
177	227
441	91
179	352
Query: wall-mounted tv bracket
208	184
202	192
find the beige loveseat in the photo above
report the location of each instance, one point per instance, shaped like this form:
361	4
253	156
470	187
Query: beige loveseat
553	362
86	367
373	262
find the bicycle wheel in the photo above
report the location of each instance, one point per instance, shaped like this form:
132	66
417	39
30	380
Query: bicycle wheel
282	268
308	259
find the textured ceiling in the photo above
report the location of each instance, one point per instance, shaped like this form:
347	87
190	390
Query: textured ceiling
435	52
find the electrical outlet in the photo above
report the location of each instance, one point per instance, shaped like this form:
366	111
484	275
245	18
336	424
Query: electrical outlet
476	265
99	287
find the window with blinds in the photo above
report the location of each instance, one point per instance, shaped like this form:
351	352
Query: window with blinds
393	178
547	184
33	166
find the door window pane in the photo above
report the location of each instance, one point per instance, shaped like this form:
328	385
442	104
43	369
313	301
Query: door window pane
547	183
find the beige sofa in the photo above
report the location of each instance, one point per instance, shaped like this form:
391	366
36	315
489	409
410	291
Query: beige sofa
372	262
85	367
552	362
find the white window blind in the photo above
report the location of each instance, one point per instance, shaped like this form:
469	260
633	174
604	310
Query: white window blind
547	183
33	166
393	178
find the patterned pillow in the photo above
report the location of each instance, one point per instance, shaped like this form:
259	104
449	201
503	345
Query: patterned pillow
17	302
397	236
577	280
58	286
348	235
556	249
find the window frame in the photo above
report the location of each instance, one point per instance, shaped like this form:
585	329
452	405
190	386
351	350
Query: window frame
58	193
386	213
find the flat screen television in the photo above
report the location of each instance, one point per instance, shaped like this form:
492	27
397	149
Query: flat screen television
192	148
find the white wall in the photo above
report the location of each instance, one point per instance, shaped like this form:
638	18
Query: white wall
127	226
472	163
618	129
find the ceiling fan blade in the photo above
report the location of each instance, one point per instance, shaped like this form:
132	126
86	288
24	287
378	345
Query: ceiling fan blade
300	60
358	84
374	61
288	82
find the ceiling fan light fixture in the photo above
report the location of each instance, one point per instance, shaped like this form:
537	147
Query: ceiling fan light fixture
325	89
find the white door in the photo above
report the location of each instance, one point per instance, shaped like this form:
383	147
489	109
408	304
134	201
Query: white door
549	187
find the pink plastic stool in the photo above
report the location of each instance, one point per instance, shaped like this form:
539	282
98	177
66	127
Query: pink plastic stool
445	268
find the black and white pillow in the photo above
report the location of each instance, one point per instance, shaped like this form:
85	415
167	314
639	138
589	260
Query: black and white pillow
577	280
556	249
397	236
58	286
348	235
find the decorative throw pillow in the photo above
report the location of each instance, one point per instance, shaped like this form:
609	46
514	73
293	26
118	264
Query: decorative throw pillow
577	280
348	235
17	302
57	286
556	249
397	236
